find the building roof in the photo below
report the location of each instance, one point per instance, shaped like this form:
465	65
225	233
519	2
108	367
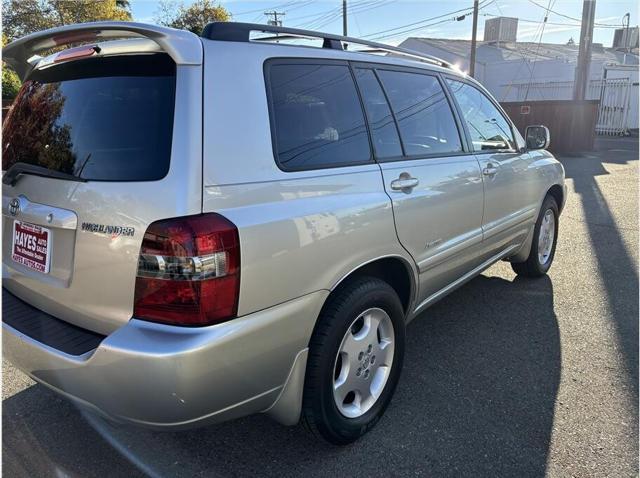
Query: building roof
490	52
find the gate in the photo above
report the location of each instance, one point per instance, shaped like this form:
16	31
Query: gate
615	97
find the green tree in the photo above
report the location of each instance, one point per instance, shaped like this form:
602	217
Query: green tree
193	18
10	84
10	81
21	17
36	130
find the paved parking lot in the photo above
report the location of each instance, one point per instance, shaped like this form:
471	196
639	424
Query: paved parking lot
505	377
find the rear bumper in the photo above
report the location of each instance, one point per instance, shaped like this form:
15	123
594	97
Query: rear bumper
170	377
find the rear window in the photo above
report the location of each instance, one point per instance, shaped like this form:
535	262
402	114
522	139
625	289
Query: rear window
103	119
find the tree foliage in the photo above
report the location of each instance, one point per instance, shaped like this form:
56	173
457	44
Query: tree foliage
193	17
34	127
10	80
10	84
21	17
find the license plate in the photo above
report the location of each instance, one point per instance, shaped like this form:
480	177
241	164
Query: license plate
31	246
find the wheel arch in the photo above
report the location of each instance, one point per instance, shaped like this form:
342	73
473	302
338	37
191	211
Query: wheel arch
394	270
557	192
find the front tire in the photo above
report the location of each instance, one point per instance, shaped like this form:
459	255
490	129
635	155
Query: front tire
543	245
355	360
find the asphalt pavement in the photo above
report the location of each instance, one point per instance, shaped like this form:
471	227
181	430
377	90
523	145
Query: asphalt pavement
505	377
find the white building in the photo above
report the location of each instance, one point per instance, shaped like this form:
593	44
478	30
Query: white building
518	71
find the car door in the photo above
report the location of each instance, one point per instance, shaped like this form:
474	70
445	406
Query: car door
510	186
434	184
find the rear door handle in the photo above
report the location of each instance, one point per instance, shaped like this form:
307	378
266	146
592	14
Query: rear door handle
490	170
404	183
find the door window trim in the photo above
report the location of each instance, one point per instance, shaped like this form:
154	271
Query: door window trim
466	150
472	84
268	63
354	67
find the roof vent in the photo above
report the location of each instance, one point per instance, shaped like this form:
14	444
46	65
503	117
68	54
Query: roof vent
624	38
501	29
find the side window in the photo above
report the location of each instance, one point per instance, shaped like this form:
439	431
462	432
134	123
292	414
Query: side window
489	130
317	117
384	133
424	116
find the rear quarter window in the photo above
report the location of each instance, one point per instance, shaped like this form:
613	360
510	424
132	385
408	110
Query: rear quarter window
316	117
104	119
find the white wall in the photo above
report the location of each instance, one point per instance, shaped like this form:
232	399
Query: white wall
460	62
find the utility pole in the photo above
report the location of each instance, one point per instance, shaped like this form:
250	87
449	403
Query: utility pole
344	18
627	40
584	51
472	60
275	22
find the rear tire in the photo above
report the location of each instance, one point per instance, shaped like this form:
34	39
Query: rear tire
543	245
355	359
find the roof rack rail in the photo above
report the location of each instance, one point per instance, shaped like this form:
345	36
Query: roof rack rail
241	32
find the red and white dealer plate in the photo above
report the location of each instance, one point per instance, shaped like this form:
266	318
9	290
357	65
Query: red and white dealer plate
31	246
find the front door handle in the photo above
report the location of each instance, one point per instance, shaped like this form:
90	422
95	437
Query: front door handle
490	170
404	183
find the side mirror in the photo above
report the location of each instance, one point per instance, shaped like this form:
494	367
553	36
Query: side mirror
537	137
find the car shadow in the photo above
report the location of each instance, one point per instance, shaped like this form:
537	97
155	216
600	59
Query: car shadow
476	398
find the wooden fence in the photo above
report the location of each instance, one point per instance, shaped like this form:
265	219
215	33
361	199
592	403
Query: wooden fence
572	124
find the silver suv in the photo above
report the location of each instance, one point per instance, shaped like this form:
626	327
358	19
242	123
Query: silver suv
201	228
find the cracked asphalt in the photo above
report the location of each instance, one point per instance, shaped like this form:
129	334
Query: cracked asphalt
505	377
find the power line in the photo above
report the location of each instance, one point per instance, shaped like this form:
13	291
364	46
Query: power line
422	27
351	7
570	17
524	61
483	4
281	5
526	20
418	22
301	5
325	18
533	67
362	8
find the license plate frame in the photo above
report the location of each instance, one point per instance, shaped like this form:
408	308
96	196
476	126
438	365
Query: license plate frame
31	246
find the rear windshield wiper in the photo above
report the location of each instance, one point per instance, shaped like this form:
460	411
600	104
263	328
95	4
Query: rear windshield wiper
12	175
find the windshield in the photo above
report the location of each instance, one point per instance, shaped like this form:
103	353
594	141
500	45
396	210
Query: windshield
107	119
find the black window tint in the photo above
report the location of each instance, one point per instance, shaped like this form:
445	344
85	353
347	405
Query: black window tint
424	116
317	115
383	128
489	130
98	119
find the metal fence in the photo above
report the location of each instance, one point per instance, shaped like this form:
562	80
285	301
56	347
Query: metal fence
614	106
614	95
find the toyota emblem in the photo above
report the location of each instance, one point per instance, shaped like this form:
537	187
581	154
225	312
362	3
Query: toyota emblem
14	206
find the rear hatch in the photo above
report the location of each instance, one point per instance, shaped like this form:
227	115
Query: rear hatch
94	150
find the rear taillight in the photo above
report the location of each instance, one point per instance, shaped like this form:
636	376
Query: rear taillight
189	271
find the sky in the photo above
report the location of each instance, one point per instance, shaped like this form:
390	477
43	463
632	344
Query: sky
391	21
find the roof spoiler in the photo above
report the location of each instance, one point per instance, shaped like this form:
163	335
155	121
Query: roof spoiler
185	48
